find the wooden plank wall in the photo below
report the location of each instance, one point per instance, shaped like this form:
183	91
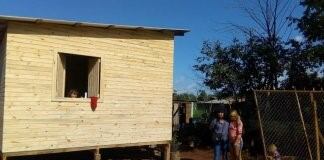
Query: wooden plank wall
2	73
175	117
188	111
136	95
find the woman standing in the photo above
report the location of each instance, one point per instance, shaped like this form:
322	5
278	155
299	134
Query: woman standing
235	135
219	128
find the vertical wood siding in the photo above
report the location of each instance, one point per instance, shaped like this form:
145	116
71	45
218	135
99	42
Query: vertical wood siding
136	88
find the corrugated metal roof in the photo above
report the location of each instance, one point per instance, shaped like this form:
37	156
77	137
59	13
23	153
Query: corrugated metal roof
177	32
215	101
224	101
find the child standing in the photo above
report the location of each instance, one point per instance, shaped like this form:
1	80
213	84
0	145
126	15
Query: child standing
273	152
219	128
235	135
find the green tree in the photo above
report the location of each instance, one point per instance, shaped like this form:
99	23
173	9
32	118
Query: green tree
268	35
263	60
311	24
184	96
221	67
301	68
203	96
306	65
237	69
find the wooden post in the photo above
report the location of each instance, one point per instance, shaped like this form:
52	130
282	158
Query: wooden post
3	157
321	138
260	123
96	154
166	152
304	128
318	151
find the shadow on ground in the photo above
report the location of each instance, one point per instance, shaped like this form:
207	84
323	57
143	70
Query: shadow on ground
134	153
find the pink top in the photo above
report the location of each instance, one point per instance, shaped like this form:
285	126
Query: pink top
235	131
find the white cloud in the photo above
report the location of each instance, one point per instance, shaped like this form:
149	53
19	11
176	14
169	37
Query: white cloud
299	38
185	84
189	88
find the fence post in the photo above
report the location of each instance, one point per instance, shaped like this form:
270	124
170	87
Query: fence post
314	104
303	122
260	124
96	154
321	138
166	151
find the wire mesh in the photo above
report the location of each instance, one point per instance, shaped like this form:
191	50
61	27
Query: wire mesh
319	98
282	119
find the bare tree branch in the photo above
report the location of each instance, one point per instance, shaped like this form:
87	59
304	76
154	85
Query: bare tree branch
270	16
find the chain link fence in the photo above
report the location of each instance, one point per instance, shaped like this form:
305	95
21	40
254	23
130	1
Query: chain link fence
287	119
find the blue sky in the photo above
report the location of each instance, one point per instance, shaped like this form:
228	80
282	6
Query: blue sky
206	20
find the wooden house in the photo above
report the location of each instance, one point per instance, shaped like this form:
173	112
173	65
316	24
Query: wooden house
182	112
128	68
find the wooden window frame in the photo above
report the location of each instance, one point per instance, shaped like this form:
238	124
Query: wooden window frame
55	78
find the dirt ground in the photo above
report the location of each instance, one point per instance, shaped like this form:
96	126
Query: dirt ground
197	154
124	154
207	154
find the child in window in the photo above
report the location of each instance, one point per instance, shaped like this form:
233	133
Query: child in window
73	93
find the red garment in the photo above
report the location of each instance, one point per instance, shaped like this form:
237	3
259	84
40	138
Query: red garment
235	131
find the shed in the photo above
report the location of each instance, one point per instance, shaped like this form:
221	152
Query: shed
128	68
182	112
